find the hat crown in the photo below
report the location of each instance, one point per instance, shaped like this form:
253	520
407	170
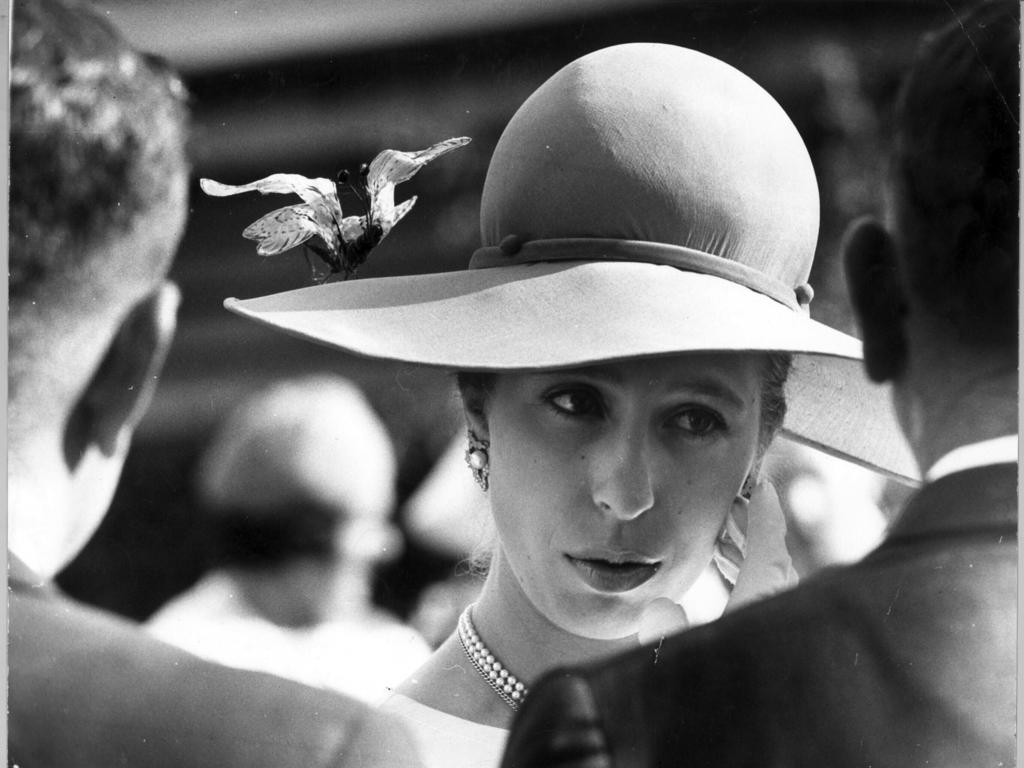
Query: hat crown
662	144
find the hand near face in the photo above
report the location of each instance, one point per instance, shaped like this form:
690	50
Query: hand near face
763	562
661	617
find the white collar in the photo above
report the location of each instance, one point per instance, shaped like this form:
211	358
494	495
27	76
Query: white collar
998	450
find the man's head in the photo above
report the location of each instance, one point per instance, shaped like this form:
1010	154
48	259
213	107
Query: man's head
299	481
97	205
936	287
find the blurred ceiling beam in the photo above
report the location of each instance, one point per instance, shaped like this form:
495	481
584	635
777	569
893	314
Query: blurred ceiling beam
198	35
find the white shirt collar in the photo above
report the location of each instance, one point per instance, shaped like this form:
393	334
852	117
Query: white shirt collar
998	450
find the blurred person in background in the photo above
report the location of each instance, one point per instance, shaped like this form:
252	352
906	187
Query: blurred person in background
448	515
835	510
298	483
909	656
98	193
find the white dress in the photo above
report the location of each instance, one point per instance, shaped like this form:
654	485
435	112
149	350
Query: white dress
446	741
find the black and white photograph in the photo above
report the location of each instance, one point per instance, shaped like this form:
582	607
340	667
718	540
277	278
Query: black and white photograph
513	383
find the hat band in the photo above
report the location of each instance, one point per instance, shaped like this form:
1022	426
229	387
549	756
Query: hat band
513	250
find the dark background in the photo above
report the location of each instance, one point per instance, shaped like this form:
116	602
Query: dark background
312	87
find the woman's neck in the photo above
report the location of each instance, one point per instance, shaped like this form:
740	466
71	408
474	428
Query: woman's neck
518	635
522	638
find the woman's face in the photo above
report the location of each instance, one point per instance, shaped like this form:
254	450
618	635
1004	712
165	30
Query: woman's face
609	484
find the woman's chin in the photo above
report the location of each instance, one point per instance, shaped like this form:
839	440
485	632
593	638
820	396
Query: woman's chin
600	617
614	617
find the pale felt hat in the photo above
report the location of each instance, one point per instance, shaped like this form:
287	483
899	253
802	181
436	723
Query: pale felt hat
646	200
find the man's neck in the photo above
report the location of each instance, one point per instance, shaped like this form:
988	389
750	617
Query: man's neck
52	510
35	526
949	413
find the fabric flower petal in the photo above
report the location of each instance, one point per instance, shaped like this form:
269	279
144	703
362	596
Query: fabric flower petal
319	195
283	229
394	166
312	191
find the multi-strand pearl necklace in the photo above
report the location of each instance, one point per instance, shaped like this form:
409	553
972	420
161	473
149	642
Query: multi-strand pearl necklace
504	683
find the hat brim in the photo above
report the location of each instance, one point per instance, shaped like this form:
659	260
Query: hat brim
568	314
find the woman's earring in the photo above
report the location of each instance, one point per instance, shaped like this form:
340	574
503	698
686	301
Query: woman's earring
478	460
730	547
748	487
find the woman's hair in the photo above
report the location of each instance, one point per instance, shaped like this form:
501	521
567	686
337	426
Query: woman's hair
773	392
773	395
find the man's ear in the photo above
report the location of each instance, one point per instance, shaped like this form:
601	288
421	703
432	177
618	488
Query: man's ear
878	298
120	391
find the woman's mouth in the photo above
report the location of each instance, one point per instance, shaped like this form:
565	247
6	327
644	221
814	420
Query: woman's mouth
613	575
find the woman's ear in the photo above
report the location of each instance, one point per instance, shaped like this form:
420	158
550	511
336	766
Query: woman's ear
474	404
878	298
120	391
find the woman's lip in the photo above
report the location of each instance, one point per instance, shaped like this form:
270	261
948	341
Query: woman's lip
614	556
619	575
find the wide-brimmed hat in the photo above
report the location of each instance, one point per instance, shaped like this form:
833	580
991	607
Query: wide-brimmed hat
646	200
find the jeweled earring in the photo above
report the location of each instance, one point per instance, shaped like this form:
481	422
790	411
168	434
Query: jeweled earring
748	487
730	547
478	460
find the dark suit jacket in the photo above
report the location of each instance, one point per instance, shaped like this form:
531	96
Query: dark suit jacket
907	658
88	689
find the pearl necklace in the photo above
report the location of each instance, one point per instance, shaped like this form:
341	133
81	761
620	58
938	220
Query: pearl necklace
505	684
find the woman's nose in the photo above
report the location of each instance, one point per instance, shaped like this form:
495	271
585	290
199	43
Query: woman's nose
621	481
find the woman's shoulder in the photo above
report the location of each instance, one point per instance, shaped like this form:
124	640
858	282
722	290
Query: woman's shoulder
429	718
449	683
443	739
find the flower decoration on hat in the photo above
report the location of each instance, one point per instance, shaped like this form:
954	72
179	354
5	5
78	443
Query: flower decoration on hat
342	243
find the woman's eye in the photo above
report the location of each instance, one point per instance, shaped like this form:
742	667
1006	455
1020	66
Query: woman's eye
699	421
577	402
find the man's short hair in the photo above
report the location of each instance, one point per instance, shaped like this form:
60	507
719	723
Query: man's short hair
956	173
97	190
97	137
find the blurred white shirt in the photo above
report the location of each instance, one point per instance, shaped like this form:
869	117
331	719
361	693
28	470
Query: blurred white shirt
365	658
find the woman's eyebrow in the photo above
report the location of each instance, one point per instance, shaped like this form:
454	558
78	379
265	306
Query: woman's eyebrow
602	373
711	387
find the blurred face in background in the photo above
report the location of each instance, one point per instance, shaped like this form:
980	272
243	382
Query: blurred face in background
609	484
310	562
